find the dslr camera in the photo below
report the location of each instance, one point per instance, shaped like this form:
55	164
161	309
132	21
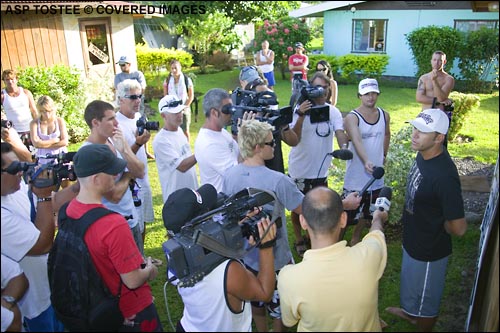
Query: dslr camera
317	113
142	123
210	238
6	123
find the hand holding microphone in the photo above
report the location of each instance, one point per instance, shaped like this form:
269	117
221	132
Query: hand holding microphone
378	172
383	202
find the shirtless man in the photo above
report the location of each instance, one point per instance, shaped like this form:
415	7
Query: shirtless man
435	84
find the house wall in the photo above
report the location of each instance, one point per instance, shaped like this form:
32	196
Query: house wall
338	32
32	40
122	39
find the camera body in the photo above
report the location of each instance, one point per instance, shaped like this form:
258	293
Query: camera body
261	102
142	123
317	113
6	123
209	239
61	166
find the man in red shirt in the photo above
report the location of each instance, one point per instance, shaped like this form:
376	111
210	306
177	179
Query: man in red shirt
297	63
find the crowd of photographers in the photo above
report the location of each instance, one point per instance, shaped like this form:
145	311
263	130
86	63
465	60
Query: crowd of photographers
228	249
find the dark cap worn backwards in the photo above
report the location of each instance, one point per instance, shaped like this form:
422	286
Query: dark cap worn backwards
95	158
185	204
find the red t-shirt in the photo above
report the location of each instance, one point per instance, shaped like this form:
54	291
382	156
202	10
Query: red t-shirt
297	60
113	251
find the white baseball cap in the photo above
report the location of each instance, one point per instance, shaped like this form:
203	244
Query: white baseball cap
170	104
431	120
368	85
124	60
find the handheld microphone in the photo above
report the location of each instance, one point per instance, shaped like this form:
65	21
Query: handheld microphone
378	172
342	154
383	202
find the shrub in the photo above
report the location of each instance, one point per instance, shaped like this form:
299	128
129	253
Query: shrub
65	85
476	63
425	41
151	60
372	65
398	162
282	36
464	104
221	61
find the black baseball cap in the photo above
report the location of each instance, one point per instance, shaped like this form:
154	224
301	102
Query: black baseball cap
95	158
185	204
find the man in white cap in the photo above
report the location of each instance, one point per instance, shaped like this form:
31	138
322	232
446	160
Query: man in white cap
174	158
369	132
433	211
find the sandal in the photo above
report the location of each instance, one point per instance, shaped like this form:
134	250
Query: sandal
301	248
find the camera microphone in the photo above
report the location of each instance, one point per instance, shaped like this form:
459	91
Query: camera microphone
383	201
342	154
378	172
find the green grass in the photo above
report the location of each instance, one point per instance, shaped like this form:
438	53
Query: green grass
482	126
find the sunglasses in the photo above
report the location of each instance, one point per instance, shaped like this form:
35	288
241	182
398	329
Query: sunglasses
133	97
172	104
121	65
321	69
271	143
320	86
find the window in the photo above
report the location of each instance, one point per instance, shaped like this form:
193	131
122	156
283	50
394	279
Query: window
473	25
369	36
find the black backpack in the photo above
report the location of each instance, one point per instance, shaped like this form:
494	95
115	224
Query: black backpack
81	300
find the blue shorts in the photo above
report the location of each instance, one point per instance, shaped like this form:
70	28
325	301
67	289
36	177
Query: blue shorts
44	322
422	285
270	79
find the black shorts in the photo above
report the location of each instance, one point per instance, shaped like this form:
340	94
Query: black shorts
363	211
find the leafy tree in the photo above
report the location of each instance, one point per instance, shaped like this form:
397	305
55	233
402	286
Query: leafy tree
425	41
214	30
282	35
476	62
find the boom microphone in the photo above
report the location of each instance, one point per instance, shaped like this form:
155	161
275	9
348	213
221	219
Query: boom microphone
378	172
342	154
383	201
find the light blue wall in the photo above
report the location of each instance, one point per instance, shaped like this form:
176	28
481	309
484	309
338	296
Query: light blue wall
338	32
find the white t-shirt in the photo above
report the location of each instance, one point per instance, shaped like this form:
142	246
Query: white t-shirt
171	148
306	158
215	152
19	235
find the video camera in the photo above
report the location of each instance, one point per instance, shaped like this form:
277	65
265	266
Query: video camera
317	113
142	123
262	102
61	166
210	238
6	123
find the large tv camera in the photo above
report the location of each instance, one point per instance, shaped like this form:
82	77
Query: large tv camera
264	103
61	167
317	113
209	239
142	123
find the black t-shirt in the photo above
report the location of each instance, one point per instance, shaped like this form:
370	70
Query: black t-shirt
433	195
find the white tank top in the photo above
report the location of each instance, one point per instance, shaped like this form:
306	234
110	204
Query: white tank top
372	136
266	68
206	309
17	110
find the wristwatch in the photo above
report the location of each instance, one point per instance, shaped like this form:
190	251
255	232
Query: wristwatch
10	299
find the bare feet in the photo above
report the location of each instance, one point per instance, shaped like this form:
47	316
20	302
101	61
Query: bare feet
401	314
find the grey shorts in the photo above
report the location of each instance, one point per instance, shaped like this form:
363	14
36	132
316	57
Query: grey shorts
186	119
422	285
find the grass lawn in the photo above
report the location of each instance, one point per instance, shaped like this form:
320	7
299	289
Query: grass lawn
482	126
